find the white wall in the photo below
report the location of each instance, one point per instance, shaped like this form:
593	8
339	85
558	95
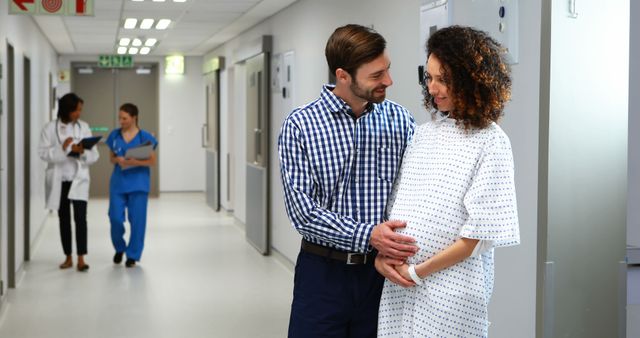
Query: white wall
181	158
512	308
27	40
304	28
633	212
182	114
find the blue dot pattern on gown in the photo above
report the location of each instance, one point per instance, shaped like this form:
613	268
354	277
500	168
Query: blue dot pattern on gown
453	183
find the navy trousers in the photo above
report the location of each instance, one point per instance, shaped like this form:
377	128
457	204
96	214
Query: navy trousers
333	299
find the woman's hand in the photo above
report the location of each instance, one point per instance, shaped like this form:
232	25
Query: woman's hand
77	148
388	268
121	161
403	270
66	143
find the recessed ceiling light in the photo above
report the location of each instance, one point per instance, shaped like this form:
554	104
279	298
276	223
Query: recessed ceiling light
137	0
130	23
158	0
179	0
150	42
163	24
146	23
122	50
145	50
133	50
136	42
124	41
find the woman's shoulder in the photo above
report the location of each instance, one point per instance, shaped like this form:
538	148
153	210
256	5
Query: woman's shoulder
51	124
147	136
493	136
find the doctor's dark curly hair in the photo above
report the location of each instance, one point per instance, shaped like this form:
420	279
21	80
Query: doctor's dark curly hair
477	76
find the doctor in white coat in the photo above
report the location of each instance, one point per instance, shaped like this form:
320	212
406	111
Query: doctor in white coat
67	176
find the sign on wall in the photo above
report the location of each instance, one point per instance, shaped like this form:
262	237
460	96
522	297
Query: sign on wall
115	61
52	7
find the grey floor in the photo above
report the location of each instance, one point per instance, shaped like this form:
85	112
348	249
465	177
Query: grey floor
197	278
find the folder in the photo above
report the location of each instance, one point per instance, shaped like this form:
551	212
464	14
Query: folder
87	143
141	152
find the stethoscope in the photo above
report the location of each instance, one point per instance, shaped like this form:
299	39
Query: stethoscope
73	131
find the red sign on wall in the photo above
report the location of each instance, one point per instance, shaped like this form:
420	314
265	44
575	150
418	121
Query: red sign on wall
52	7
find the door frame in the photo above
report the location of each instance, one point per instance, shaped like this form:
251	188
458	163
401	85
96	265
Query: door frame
11	170
27	158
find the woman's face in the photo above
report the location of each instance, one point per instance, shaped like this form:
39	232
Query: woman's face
75	115
437	86
126	121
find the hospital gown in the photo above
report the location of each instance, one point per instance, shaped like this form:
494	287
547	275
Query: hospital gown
453	183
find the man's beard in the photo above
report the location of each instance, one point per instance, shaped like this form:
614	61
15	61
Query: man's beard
367	94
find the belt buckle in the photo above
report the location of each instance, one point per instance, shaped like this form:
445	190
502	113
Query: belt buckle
355	254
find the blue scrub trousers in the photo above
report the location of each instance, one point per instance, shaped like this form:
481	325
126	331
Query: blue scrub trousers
135	204
333	299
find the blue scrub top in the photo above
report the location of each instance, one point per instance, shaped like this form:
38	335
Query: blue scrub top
135	179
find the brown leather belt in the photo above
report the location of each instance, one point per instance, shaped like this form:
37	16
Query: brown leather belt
349	258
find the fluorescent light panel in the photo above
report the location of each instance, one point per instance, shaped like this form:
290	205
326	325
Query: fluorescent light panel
130	23
124	41
133	50
150	42
145	50
122	50
163	24
136	42
146	23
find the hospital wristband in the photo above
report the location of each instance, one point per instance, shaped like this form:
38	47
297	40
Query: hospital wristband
414	275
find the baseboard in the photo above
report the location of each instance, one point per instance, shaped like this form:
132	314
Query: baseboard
283	260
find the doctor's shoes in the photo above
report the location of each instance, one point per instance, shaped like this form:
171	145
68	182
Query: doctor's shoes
68	262
130	263
117	258
83	267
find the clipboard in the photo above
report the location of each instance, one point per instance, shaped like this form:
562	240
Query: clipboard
87	143
141	152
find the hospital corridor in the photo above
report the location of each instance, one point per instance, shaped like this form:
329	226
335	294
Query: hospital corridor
198	278
319	168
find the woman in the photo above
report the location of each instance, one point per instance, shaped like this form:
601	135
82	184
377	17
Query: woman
129	185
456	192
67	174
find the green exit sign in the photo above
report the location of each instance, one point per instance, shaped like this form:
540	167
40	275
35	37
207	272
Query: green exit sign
115	61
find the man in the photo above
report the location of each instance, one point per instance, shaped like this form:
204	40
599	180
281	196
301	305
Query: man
339	156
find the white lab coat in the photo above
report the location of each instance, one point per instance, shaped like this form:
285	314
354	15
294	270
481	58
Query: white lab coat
50	150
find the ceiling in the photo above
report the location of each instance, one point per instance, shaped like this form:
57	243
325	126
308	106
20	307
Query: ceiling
197	26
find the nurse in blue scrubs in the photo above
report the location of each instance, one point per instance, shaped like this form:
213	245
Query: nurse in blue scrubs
129	185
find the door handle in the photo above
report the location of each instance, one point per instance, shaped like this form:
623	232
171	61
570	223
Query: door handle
257	134
205	135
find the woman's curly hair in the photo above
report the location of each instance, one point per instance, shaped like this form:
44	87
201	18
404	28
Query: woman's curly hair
475	72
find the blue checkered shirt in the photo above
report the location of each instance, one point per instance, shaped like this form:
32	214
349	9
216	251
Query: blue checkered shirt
337	170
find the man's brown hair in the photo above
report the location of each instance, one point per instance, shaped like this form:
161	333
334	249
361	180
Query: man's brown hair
351	46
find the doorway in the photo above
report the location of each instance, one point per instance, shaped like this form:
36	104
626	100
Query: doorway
104	90
211	140
27	159
1	209
11	170
257	157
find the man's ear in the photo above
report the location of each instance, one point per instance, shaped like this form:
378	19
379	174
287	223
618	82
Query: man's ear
342	76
